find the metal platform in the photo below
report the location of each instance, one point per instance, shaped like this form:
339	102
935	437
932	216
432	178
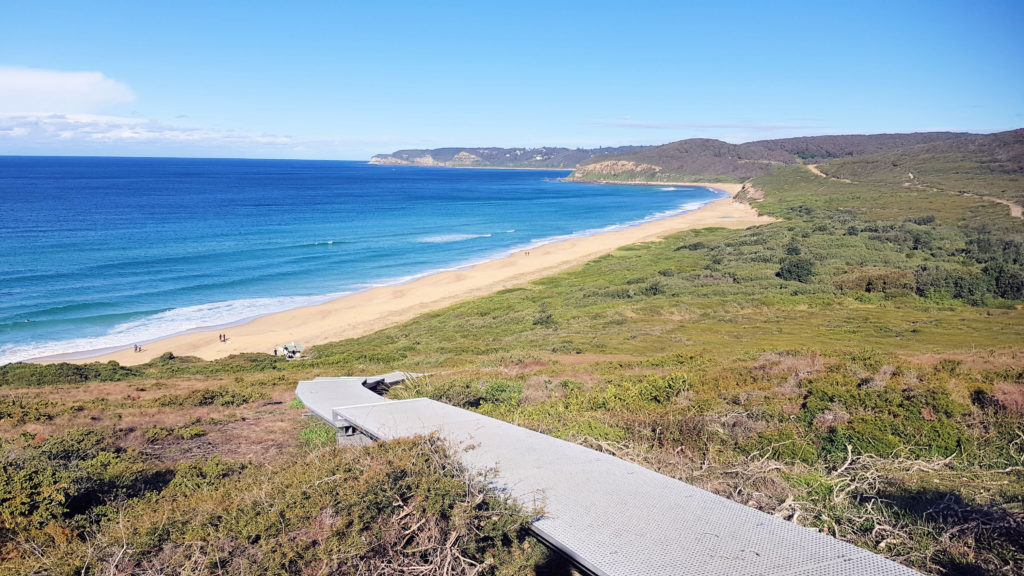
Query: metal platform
610	516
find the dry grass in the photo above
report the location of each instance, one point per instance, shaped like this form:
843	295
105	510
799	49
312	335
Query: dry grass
1010	396
268	437
265	430
786	370
987	359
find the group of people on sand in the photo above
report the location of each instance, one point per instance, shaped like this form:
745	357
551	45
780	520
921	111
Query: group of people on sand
137	348
222	337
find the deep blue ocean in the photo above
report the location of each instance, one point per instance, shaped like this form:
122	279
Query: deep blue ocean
108	252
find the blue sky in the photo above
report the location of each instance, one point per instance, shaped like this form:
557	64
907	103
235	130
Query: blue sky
345	80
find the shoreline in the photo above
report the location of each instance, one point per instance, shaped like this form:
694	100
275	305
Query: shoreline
365	312
716	185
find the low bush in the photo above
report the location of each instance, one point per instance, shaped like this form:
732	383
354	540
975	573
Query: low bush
20	374
66	476
796	269
316	434
876	280
220	396
20	411
397	507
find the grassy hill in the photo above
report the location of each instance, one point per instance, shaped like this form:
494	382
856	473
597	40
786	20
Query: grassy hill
693	160
703	160
987	165
856	367
812	149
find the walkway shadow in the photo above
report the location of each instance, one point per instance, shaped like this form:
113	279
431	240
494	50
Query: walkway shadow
980	540
555	565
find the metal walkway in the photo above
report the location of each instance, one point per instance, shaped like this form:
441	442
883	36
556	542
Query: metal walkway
610	516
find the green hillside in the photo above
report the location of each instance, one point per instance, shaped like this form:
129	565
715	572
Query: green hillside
877	155
818	148
987	165
856	367
694	160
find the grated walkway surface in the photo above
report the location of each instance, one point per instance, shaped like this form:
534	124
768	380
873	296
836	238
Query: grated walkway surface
611	516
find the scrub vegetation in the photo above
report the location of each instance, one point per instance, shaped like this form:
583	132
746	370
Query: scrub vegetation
856	367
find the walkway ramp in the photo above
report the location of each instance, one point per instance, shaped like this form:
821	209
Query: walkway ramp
610	516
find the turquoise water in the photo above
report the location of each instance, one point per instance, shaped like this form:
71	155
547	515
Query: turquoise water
108	252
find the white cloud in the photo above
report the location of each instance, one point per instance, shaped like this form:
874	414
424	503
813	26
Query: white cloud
94	128
95	134
36	90
77	113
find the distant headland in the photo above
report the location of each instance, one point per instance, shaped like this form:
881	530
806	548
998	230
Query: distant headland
706	160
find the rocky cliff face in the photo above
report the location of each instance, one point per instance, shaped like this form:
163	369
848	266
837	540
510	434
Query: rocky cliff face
388	160
617	169
558	158
460	160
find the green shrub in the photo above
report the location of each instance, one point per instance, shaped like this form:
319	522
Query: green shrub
221	396
20	411
203	474
155	433
65	476
1008	281
191	431
923	423
544	317
921	220
796	268
20	374
956	283
502	392
876	280
318	434
782	445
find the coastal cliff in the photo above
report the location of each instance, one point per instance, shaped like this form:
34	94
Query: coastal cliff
548	157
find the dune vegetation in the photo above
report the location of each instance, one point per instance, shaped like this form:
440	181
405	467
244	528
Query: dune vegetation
856	367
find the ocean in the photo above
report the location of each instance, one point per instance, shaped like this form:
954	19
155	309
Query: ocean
101	253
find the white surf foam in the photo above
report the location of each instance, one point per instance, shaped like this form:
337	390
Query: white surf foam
162	325
445	238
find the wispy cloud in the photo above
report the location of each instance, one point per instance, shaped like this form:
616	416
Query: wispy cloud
57	112
94	128
120	135
37	90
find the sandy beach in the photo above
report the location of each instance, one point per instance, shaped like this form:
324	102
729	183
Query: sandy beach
365	312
